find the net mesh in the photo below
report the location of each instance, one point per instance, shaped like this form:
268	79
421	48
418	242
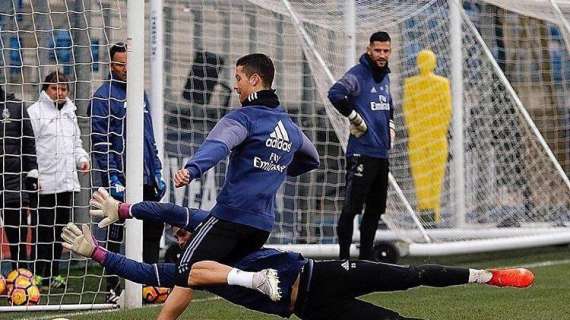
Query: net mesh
37	38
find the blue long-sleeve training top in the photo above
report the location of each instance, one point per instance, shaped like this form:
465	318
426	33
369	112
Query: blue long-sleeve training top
265	146
366	90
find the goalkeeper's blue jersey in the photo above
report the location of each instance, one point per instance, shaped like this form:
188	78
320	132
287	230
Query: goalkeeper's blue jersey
287	264
266	146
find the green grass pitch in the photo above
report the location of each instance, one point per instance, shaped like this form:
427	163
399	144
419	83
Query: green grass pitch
549	298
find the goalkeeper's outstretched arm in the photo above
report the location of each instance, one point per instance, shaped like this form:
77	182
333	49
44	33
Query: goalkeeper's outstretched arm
156	274
112	210
82	242
182	217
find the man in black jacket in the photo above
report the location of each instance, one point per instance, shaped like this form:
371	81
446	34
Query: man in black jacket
18	175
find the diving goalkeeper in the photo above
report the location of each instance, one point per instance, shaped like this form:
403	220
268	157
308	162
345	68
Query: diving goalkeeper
305	287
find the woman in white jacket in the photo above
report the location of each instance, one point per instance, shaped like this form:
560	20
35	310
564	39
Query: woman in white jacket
60	155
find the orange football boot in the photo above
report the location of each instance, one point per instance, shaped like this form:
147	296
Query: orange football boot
513	277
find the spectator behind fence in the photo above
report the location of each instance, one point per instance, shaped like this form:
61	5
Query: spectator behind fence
60	154
18	177
108	123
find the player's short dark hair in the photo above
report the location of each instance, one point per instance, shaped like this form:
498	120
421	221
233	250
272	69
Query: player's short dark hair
55	77
380	36
260	64
117	47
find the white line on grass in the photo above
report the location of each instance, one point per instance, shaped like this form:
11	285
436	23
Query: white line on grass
546	263
65	315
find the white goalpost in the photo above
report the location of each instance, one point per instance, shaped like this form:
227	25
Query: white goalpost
135	146
502	185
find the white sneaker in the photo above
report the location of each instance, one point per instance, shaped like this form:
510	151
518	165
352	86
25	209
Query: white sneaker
266	281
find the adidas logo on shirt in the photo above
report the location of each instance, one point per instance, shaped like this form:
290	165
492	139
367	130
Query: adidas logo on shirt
279	139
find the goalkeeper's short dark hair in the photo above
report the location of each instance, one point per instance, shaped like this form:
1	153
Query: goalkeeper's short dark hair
380	36
260	64
117	47
55	77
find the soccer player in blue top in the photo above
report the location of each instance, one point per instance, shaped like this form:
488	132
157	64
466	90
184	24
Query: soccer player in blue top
363	95
310	289
265	146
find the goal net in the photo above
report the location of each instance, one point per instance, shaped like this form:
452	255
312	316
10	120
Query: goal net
489	174
36	38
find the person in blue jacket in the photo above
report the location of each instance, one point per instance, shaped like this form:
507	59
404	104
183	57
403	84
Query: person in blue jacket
265	146
363	95
310	289
108	139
